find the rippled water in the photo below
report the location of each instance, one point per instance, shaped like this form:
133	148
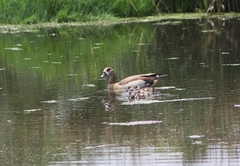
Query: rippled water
56	110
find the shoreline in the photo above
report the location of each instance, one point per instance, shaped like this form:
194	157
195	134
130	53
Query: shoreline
10	28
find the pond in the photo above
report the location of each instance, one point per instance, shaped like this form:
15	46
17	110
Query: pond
56	110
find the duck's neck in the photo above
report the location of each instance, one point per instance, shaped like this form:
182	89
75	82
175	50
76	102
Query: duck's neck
112	79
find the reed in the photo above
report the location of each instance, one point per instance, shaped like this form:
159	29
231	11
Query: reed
28	11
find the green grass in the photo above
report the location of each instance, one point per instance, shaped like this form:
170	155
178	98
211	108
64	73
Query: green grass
30	12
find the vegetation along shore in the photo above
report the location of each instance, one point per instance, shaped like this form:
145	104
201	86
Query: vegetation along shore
59	11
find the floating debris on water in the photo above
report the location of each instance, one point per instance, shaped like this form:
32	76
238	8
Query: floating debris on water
79	99
31	110
164	101
72	74
143	101
197	142
208	31
233	64
56	62
98	44
40	35
225	53
196	136
53	34
165	87
13	49
172	58
134	123
142	44
189	99
27	59
36	67
89	85
203	64
180	89
49	101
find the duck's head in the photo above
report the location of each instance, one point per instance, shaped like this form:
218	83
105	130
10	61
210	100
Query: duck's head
108	71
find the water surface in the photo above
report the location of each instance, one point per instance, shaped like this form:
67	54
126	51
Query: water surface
56	110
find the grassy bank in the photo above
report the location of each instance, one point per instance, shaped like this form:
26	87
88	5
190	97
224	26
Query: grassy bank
28	11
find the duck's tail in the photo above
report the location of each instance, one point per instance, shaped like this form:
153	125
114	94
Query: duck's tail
161	76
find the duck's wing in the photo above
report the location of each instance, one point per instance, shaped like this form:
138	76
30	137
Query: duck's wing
141	80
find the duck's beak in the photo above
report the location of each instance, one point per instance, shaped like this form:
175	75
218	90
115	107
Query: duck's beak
103	74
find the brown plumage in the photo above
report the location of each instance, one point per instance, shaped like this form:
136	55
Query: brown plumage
141	80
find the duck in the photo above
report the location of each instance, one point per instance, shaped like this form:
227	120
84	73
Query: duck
138	93
140	80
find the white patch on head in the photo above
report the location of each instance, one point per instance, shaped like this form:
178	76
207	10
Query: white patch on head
106	71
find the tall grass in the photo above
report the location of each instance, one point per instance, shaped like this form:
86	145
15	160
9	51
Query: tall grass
29	11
